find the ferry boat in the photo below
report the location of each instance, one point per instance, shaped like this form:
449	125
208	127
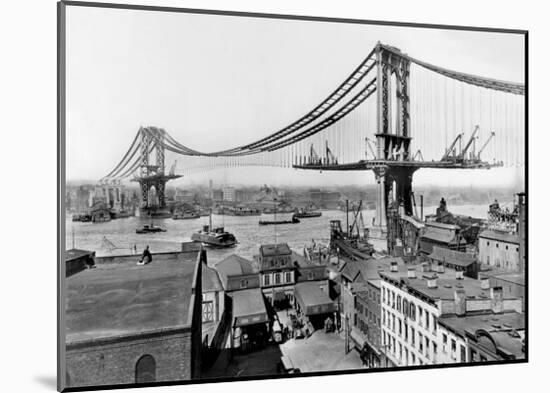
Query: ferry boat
214	237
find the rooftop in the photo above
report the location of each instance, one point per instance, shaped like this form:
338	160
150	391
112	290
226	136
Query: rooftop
503	328
248	302
447	284
311	295
267	250
211	280
449	227
439	234
234	265
122	298
500	236
369	269
452	257
512	277
75	253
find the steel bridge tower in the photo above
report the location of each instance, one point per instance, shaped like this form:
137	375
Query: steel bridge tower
394	178
153	175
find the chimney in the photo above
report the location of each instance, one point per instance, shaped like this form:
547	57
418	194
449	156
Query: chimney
484	281
411	272
460	302
425	267
497	304
393	267
432	281
440	268
459	275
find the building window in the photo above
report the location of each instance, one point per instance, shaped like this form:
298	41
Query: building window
244	283
412	336
487	243
310	275
453	345
399	327
266	280
399	303
277	278
419	315
420	343
427	320
427	347
146	369
208	311
497	245
462	354
288	277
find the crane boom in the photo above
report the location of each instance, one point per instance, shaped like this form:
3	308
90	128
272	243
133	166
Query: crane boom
450	149
470	141
485	144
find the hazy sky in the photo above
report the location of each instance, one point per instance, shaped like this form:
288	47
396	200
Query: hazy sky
215	82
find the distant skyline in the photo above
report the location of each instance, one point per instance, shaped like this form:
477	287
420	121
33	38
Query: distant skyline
215	82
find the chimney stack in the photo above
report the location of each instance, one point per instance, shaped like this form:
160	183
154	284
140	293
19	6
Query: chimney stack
440	268
426	267
484	282
393	267
411	272
432	281
460	302
459	275
497	302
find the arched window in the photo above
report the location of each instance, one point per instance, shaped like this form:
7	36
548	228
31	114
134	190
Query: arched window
146	369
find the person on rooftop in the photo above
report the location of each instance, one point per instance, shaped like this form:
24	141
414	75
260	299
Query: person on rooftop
146	257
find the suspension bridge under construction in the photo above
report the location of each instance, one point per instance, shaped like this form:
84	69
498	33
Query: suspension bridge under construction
394	114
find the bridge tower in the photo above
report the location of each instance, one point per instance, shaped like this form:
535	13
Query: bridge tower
153	175
393	140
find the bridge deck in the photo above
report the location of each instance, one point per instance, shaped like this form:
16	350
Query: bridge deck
373	164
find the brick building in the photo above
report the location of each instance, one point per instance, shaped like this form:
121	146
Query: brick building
366	332
129	324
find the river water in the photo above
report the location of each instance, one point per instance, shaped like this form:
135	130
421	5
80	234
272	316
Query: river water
121	233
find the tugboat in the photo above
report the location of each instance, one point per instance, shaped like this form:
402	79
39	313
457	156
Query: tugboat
149	228
302	213
214	237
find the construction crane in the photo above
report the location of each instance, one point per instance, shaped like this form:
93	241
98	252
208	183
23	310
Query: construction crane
485	145
331	158
470	141
451	148
418	154
313	156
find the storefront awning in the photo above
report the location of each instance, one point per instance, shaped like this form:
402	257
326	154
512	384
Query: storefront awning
312	299
249	307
